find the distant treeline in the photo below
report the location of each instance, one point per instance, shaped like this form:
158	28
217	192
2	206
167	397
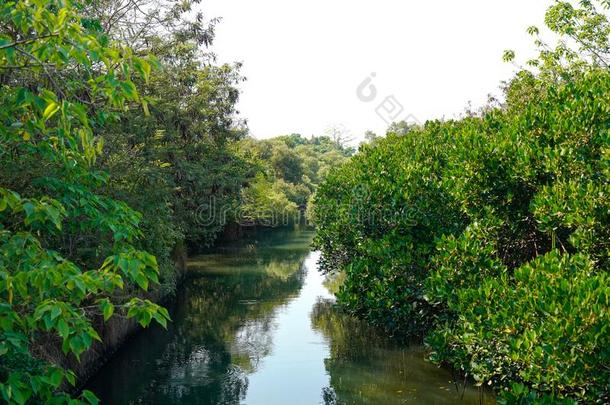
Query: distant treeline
286	172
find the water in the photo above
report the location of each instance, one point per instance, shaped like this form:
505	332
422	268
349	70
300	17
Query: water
254	324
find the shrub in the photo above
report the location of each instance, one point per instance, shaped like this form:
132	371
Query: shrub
502	260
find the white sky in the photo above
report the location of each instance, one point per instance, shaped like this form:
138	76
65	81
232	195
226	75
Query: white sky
304	60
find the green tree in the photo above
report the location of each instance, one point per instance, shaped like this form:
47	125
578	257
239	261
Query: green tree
401	128
370	136
61	79
287	164
180	158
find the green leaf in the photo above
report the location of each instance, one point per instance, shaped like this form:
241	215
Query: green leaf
50	110
63	329
55	312
107	308
145	107
56	377
90	397
141	280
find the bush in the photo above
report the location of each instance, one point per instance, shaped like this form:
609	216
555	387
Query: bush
489	235
379	216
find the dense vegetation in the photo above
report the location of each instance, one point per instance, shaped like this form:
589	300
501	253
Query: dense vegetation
490	235
287	171
118	135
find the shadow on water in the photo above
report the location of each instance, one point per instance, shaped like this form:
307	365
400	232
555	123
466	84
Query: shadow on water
254	324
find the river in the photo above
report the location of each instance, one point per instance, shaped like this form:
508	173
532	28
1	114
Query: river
254	324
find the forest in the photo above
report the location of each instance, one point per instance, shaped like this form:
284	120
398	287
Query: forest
122	152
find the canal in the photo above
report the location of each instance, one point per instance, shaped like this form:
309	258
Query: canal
254	324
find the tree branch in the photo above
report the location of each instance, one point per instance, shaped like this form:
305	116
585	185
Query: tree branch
28	41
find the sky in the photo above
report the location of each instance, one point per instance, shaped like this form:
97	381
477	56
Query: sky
307	62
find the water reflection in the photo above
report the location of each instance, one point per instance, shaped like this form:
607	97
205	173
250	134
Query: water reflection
254	324
223	325
367	368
